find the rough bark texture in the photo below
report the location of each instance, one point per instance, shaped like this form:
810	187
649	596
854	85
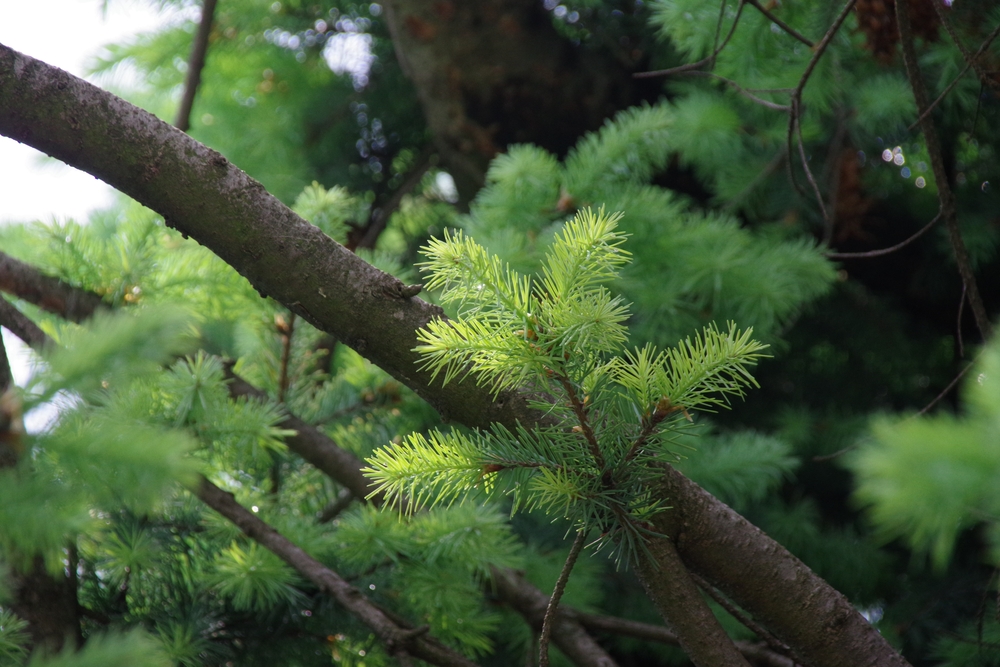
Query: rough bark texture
485	72
681	605
814	620
51	294
204	196
201	194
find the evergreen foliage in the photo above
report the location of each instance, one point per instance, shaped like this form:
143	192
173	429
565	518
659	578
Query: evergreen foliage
722	226
563	337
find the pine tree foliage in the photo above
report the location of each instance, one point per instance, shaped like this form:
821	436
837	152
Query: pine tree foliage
564	336
689	269
927	478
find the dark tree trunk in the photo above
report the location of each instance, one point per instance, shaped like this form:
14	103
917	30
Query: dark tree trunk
491	73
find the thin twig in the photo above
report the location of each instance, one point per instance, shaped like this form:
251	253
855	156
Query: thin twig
581	416
763	174
781	24
944	392
946	196
969	58
196	63
745	92
708	60
557	593
796	98
336	506
741	616
884	251
379	216
805	166
968	65
287	330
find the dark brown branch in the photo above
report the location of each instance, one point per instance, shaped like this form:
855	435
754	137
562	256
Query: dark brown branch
944	392
336	506
681	605
741	616
380	215
60	298
756	652
885	251
6	381
531	603
708	60
311	444
796	98
21	326
196	63
781	24
557	593
581	417
946	196
396	637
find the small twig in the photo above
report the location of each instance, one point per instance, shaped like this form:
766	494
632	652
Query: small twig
968	65
805	167
781	24
557	593
884	251
796	98
776	644
581	417
287	330
708	60
946	196
196	63
971	59
379	216
336	506
741	90
958	324
763	174
944	392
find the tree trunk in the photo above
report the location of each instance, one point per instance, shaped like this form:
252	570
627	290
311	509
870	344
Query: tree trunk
491	73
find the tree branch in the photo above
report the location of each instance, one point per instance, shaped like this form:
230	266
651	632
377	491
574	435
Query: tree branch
946	196
380	215
707	60
21	326
60	298
196	63
781	24
204	196
557	592
679	601
412	641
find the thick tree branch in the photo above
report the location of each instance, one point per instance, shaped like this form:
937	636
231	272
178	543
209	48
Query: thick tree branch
21	326
679	601
412	641
200	193
946	195
196	63
204	196
60	298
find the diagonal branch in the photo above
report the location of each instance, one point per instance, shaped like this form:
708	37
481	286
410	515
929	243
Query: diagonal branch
707	60
56	296
781	24
411	641
196	63
946	195
21	326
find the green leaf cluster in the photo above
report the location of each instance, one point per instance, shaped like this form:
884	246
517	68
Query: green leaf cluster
611	411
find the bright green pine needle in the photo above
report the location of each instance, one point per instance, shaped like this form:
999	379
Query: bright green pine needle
564	337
